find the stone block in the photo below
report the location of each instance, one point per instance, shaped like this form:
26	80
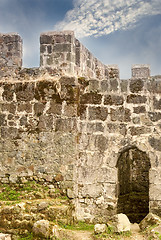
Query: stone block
104	85
24	91
150	220
100	228
121	223
155	143
70	110
55	108
2	119
65	125
101	143
113	71
5	236
39	108
97	113
157	103
139	130
140	71
136	85
9	107
91	98
139	109
124	85
46	39
27	107
41	229
154	85
95	127
114	86
62	47
154	116
135	99
93	85
120	114
113	100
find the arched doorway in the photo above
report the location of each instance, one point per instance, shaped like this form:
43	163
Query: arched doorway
133	184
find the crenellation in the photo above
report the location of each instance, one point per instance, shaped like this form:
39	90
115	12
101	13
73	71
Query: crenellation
74	123
141	71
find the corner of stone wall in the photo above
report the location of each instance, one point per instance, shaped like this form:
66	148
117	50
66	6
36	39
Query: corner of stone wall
57	51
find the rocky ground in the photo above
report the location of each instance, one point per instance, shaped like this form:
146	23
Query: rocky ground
32	210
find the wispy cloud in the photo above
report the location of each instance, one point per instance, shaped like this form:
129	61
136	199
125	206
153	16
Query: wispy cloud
102	17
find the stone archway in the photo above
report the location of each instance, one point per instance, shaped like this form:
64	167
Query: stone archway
133	184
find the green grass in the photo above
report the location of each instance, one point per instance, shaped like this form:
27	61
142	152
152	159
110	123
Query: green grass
28	237
9	194
15	192
78	226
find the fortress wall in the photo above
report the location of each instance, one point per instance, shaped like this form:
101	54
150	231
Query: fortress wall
71	130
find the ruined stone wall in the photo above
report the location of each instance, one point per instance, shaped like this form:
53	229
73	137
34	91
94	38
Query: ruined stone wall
72	130
62	52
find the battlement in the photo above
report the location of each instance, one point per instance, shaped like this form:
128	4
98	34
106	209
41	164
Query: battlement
64	55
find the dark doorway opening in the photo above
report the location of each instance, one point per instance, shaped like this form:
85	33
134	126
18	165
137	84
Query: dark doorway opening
133	184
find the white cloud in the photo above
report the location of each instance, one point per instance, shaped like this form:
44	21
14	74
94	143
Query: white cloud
101	17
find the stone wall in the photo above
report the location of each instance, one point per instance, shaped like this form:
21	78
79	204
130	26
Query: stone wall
63	53
72	130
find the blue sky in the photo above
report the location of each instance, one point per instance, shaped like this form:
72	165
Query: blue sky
122	32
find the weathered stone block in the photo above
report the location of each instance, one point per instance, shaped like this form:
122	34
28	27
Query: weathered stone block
55	108
97	113
9	107
113	100
91	98
135	99
154	85
46	39
155	143
157	103
124	85
154	116
65	125
120	114
62	47
101	143
24	91
140	71
2	119
95	127
139	130
93	85
39	108
114	86
27	107
139	109
136	85
70	110
104	86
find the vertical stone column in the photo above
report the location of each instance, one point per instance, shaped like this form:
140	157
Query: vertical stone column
140	71
57	51
10	51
